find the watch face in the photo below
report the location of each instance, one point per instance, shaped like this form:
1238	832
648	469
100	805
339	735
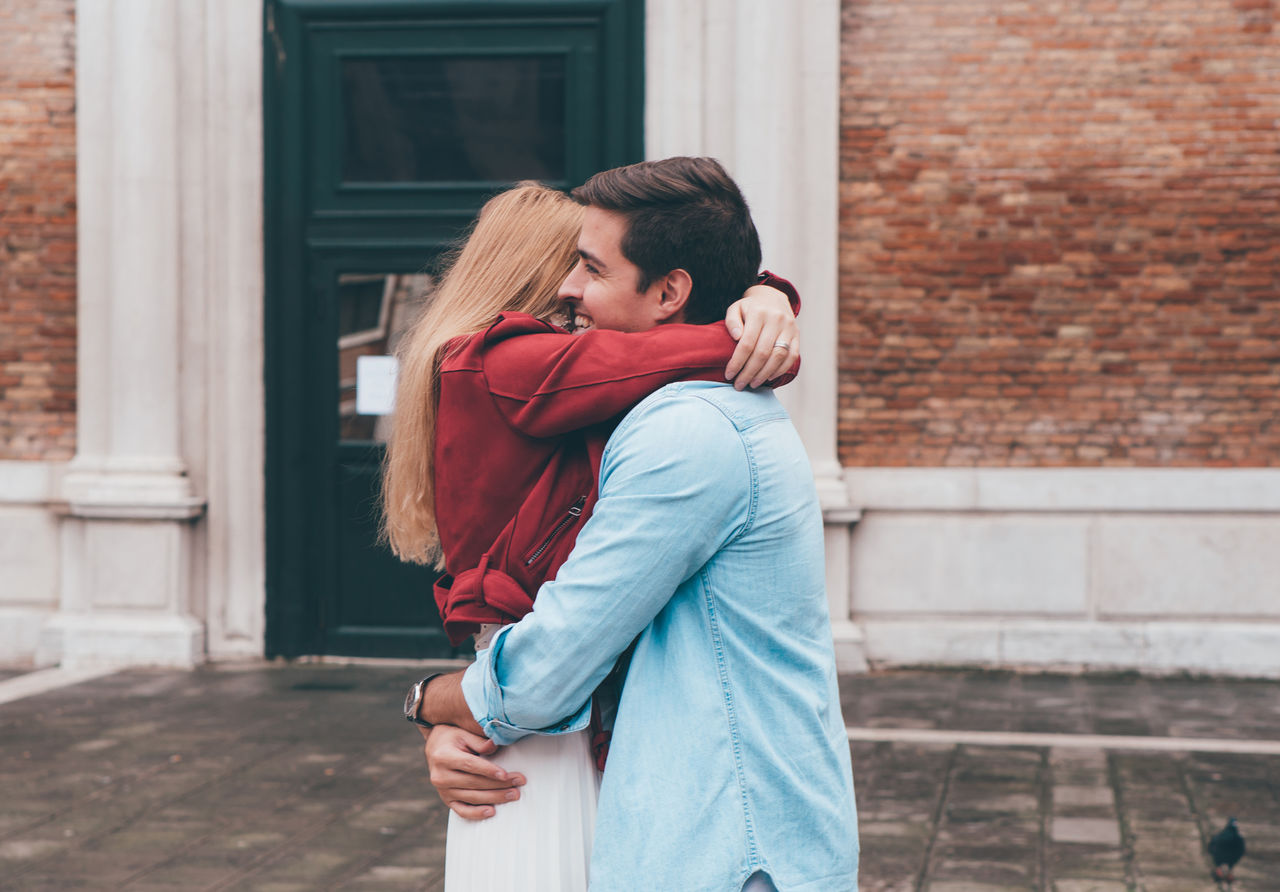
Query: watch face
411	701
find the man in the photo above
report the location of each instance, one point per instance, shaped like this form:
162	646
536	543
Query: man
729	767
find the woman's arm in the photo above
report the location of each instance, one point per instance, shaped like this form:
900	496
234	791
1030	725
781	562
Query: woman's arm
546	383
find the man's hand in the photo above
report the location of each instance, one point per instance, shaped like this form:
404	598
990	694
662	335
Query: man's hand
762	323
467	782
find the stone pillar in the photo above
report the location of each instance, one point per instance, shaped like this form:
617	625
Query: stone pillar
227	240
128	591
756	83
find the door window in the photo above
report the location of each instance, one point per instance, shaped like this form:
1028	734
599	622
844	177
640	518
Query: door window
374	313
443	119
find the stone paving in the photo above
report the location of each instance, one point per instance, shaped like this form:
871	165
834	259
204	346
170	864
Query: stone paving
987	819
1065	704
304	777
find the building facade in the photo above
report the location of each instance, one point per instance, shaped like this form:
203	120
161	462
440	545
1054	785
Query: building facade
1039	248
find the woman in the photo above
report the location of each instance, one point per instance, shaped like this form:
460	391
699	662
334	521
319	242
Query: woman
491	471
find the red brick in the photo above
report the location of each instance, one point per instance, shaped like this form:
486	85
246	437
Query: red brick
37	229
1118	184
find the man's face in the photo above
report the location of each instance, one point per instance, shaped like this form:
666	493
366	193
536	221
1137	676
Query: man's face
601	289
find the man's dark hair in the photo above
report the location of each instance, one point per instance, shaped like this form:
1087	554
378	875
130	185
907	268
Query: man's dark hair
683	213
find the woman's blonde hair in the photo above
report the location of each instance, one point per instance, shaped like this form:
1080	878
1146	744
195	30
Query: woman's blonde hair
520	249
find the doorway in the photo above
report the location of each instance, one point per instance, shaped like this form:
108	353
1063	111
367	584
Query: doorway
388	123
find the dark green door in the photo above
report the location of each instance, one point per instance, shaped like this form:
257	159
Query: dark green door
388	124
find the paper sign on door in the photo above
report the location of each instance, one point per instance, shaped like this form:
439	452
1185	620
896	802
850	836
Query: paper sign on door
376	384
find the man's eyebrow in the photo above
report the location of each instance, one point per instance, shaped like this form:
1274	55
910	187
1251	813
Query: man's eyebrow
591	258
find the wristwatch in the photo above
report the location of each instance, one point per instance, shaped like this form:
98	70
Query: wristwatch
413	701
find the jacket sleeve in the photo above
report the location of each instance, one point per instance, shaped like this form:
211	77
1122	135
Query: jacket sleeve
783	285
546	383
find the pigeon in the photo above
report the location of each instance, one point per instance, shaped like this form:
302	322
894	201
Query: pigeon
1226	847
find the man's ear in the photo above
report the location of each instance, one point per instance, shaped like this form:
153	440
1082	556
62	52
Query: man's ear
673	296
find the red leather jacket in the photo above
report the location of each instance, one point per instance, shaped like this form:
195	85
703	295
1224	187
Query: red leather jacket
525	411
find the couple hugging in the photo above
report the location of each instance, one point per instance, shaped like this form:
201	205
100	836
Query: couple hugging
667	523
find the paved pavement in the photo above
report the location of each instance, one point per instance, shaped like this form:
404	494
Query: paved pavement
304	777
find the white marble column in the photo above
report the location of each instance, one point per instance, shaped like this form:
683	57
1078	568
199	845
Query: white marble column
227	206
756	83
128	590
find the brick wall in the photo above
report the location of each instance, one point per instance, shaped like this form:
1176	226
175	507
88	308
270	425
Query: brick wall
37	229
1060	233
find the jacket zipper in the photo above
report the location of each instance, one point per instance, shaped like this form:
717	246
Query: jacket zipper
574	512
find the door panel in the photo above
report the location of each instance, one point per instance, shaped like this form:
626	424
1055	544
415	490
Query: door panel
388	124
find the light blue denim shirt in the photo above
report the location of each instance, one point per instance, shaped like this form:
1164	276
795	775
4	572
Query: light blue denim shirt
730	753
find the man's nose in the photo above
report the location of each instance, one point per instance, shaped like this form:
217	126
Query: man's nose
571	287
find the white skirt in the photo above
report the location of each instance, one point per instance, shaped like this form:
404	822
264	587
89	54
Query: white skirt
542	841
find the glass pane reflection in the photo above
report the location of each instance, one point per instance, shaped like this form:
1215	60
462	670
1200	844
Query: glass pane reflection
374	313
446	119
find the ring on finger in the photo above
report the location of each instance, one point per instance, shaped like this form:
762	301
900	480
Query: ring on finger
785	345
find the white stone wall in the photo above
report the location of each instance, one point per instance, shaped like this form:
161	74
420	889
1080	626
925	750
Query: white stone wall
1148	569
153	545
29	549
